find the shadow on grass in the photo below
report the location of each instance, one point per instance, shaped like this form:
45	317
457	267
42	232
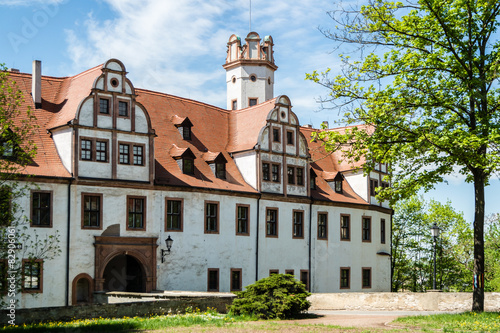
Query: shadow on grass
97	328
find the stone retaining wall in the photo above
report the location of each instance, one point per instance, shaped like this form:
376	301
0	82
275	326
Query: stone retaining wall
429	301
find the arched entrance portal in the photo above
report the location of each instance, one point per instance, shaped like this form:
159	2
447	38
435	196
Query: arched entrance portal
124	273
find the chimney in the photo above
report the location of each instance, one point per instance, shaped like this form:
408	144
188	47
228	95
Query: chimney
36	83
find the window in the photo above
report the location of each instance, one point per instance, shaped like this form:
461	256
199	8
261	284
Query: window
92	211
32	276
304	278
312	180
41	207
345	227
298	224
138	155
382	231
103	106
5	205
186	132
252	101
289	271
265	171
101	151
366	229
136	213
234	104
86	150
220	170
253	78
123	109
272	222
273	271
300	176
3	276
92	149
322	225
289	138
275	173
124	151
373	186
7	149
211	217
174	215
235	279
291	175
242	219
295	175
344	278
276	135
187	165
213	279
366	278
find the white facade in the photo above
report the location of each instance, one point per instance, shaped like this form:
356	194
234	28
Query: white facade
140	169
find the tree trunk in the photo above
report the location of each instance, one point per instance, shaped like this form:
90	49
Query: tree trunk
478	293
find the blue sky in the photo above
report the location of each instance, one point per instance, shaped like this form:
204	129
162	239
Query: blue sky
178	47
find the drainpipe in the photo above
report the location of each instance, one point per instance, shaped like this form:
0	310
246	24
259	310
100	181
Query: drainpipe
67	242
310	245
257	242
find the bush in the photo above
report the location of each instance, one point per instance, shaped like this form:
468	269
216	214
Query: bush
276	296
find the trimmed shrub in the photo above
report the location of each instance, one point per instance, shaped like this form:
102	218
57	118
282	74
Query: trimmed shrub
277	296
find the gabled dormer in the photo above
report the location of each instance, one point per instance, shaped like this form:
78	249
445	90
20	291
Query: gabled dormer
185	159
184	125
217	163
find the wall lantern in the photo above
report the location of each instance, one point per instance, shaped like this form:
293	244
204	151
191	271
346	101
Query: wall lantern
168	242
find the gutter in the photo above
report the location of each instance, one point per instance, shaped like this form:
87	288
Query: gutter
310	244
67	241
257	242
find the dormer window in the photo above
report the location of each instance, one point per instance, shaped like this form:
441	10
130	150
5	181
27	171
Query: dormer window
184	126
185	159
338	180
217	163
7	149
312	180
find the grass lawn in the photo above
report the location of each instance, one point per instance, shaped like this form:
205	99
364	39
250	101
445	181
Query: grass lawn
460	322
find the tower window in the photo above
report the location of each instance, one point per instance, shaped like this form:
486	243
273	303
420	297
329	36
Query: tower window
252	101
253	78
235	104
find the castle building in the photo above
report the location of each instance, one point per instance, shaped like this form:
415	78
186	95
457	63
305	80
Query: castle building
243	192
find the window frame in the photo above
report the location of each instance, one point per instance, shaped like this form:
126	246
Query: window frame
254	100
186	133
223	171
347	279
131	156
297	180
216	270
295	213
305	271
366	231
143	213
290	171
180	214
184	165
50	208
127	109
290	138
38	290
325	226
206	217
266	172
231	280
373	186
142	155
363	285
277	173
382	231
93	149
275	134
274	271
234	104
108	101
348	227
100	211
239	233
290	271
275	223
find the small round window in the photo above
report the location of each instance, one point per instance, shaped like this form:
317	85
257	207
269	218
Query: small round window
114	82
283	115
253	78
234	79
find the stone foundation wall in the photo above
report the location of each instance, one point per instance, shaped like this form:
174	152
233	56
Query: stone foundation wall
430	301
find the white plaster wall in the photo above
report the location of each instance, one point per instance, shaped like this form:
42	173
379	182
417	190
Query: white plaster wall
63	140
302	147
193	251
332	254
297	189
264	139
54	269
141	123
118	88
91	168
247	166
270	186
86	116
114	66
128	88
358	183
100	83
244	88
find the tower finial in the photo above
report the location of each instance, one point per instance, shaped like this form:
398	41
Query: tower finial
250	19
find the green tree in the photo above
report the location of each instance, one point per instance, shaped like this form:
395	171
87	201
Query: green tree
18	128
413	247
426	91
